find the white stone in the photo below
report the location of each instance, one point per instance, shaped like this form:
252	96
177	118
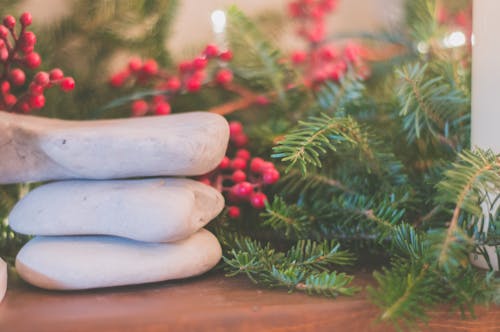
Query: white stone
40	149
67	263
152	210
3	279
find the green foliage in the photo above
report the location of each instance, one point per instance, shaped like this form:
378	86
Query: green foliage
256	59
431	108
304	267
88	41
314	138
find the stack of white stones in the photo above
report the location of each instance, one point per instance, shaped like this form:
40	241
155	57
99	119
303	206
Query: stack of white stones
94	231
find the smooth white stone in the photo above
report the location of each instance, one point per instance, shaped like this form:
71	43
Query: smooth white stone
3	279
103	261
152	210
40	149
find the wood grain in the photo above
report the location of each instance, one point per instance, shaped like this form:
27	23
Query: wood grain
208	303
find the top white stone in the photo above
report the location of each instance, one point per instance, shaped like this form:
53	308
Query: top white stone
41	149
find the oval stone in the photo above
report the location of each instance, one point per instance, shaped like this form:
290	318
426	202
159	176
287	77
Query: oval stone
41	149
151	210
68	263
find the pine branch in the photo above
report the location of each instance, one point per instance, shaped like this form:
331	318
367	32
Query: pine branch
336	97
289	219
305	267
405	293
306	144
465	185
430	106
420	18
256	60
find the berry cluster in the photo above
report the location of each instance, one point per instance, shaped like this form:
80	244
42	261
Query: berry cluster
322	62
190	77
241	178
311	17
17	53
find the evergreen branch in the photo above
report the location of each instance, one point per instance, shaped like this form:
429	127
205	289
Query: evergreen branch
405	292
290	219
259	62
306	144
304	267
329	284
317	256
335	97
430	107
465	185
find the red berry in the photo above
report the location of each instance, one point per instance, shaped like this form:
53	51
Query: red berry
17	76
299	57
26	19
4	32
117	80
242	189
162	108
5	87
150	67
226	56
24	107
42	78
224	164
173	84
352	52
317	33
256	164
233	212
35	89
258	200
67	84
328	5
10	99
139	107
32	60
193	84
224	76
265	166
240	140
205	180
238	163
134	65
185	66
243	154
211	51
28	38
262	100
294	9
270	176
9	21
235	128
56	74
199	63
239	176
37	101
4	54
328	53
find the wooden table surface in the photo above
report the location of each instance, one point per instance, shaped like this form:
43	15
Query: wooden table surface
208	303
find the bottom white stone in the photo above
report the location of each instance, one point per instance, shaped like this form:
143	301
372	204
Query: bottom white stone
83	262
3	279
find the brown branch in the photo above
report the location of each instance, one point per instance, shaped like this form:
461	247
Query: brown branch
247	98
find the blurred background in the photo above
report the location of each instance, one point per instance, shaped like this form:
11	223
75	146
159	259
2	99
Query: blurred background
192	25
